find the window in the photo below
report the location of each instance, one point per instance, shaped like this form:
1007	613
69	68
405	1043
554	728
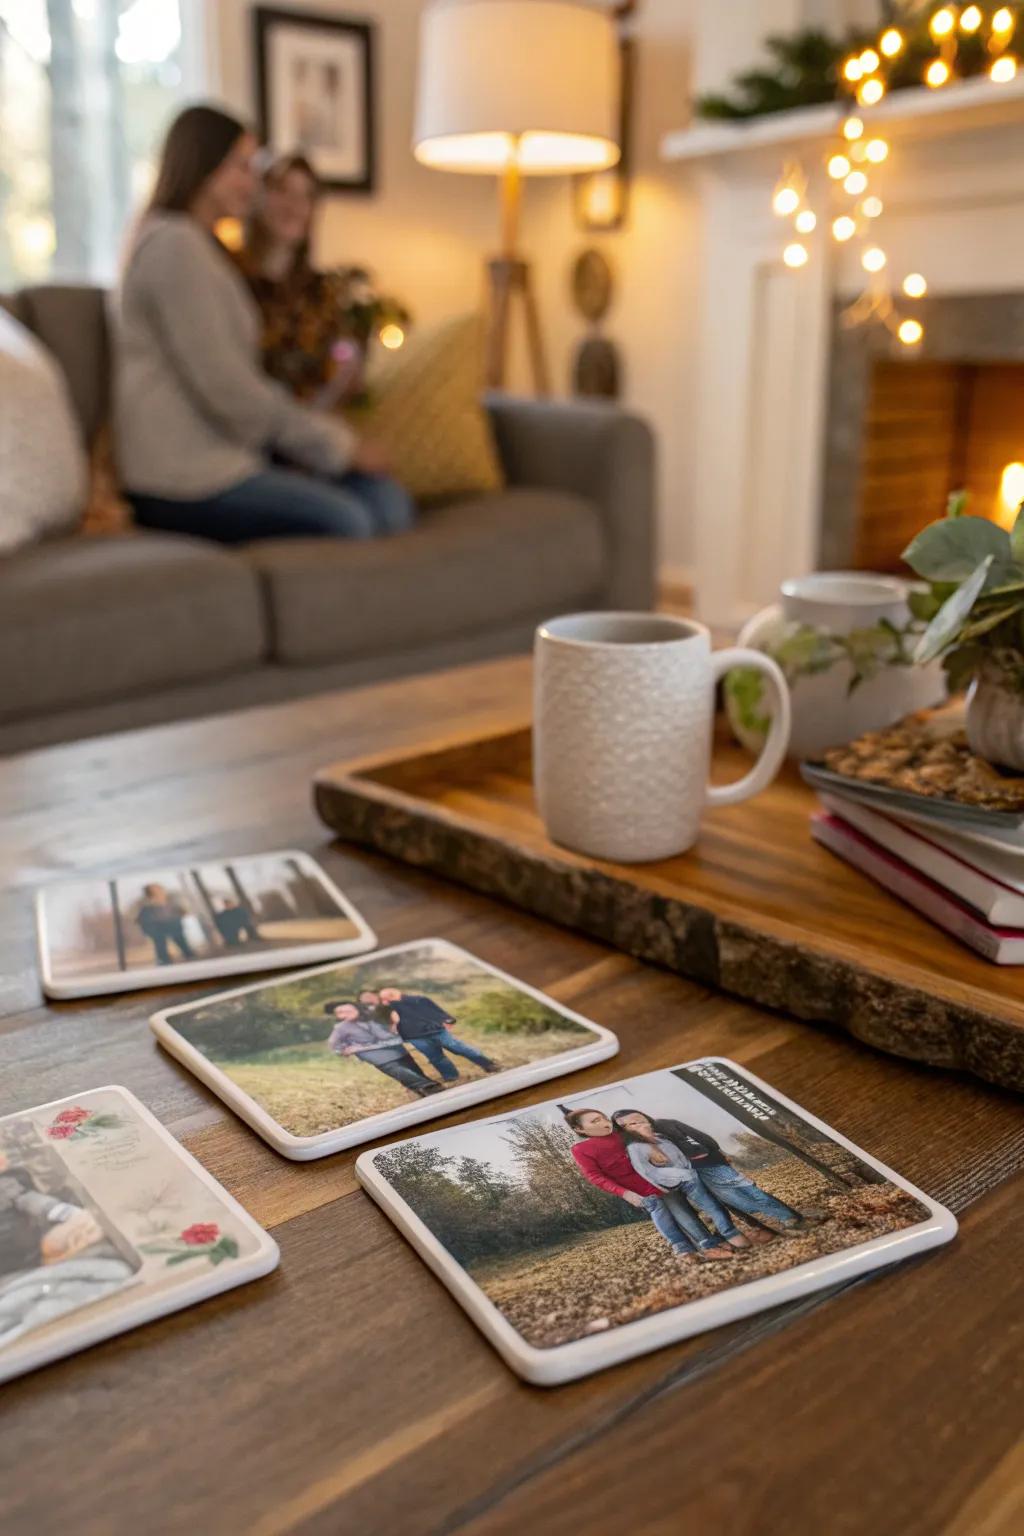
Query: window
86	89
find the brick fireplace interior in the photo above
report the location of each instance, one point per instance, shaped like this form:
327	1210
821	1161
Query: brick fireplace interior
903	431
932	428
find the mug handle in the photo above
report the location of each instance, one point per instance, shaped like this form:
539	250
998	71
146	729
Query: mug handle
774	749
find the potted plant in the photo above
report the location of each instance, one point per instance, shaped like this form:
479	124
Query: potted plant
974	609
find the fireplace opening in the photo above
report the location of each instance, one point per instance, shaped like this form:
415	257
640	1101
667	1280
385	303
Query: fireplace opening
905	430
932	428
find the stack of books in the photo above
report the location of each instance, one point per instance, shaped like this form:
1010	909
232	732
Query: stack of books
912	808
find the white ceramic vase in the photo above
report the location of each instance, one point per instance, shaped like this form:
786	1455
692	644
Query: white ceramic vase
995	723
826	711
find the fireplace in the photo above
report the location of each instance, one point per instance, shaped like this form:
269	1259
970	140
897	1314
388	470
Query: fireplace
903	431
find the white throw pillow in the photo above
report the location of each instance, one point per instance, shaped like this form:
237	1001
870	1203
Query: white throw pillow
43	463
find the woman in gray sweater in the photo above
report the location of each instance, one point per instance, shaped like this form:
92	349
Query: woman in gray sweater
207	444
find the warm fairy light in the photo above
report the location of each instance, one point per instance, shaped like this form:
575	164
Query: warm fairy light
872	207
795	255
868	61
876	150
937	73
806	221
844	228
873	259
838	167
892	42
971	18
910	332
852	71
858	151
871	93
943	22
853	128
1003	69
1002	21
915	286
856	183
391	336
786	201
1011	494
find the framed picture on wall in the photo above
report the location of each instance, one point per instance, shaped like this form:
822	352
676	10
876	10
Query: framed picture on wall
314	93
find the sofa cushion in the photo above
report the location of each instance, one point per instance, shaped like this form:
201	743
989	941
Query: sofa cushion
83	620
72	323
475	565
42	461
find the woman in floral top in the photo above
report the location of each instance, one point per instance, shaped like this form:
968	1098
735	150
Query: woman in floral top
309	343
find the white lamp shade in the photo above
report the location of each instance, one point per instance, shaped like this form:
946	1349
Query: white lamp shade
527	82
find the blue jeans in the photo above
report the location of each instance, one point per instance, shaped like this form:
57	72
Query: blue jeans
744	1195
282	504
433	1047
667	1225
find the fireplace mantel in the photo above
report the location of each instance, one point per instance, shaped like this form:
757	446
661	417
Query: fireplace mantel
954	209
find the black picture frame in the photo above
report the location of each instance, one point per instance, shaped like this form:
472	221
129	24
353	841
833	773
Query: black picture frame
270	25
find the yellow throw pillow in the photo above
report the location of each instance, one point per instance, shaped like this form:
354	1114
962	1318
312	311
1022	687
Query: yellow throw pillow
425	412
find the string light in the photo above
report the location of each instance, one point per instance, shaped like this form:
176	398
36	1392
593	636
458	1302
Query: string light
852	128
786	201
391	336
876	150
1003	69
910	332
852	71
915	286
971	18
1002	21
872	207
856	183
874	259
937	73
868	61
795	255
892	42
844	228
838	167
942	22
806	221
871	92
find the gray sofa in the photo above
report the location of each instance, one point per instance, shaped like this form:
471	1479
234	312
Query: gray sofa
106	633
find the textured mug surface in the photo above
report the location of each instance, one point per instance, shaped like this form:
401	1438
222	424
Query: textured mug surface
623	715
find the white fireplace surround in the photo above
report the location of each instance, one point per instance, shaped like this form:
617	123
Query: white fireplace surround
953	188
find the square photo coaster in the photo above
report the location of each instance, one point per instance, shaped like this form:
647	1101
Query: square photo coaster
191	922
106	1223
585	1230
333	1057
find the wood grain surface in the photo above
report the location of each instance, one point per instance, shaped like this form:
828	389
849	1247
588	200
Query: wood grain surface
348	1393
756	907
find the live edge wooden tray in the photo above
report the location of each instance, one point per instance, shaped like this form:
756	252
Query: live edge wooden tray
756	908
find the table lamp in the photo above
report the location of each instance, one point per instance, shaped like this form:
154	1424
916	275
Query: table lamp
515	88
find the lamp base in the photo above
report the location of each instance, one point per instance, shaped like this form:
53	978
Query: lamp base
509	278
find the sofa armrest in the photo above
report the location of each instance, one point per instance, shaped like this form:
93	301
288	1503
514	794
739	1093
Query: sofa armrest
600	452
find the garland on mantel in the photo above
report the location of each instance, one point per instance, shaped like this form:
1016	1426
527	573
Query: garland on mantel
807	68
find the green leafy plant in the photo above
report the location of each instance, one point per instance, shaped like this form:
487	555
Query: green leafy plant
974	604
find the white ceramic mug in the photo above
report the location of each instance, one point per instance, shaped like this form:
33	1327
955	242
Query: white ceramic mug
624	706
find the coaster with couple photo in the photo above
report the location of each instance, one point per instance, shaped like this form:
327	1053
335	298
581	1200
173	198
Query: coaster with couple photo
602	1225
336	1056
106	1223
192	922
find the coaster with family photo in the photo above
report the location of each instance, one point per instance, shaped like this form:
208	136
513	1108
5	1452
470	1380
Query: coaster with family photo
602	1225
192	922
106	1223
333	1057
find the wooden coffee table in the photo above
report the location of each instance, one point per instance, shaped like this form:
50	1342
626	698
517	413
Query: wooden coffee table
347	1393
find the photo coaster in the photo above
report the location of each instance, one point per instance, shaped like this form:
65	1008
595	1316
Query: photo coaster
334	1057
192	922
583	1231
106	1223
